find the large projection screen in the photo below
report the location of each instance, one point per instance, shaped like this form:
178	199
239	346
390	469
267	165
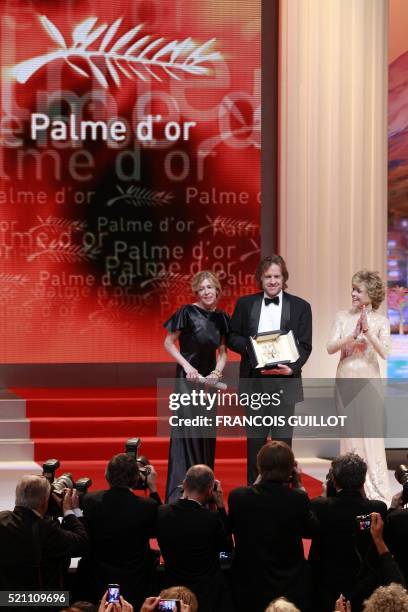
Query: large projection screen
130	159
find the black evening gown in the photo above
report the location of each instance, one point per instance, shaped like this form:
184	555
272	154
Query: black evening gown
201	333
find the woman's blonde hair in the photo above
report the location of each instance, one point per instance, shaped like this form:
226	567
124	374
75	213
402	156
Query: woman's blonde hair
374	285
281	605
391	598
183	593
202	276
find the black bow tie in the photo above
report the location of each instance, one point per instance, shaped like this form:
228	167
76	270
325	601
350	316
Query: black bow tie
274	300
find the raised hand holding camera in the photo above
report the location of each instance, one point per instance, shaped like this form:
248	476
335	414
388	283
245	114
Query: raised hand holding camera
114	606
218	494
70	500
151	479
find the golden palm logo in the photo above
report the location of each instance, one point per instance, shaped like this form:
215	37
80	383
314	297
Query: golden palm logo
127	56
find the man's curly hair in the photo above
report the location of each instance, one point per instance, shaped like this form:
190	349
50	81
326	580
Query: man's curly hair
349	471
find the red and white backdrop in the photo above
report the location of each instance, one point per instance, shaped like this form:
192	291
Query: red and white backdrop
130	159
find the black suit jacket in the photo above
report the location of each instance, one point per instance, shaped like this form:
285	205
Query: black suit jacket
340	554
120	525
191	537
35	552
396	535
268	521
296	316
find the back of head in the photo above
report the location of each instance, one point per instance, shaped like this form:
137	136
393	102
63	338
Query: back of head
183	593
281	605
349	471
275	461
391	598
122	471
32	492
198	479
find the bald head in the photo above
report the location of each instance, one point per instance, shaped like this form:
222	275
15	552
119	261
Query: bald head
33	492
199	478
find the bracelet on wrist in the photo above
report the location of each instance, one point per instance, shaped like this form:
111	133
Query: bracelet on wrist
217	373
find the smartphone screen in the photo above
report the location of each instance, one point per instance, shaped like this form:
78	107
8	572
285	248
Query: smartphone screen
169	604
364	522
113	593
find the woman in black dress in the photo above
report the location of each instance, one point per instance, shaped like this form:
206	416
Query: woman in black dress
200	330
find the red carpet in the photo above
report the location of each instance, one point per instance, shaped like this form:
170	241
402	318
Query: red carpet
84	427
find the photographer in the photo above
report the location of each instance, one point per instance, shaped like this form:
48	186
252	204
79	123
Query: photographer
342	551
386	571
36	549
383	573
120	525
269	521
396	531
191	536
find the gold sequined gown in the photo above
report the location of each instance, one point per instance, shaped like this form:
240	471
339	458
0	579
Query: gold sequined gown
359	359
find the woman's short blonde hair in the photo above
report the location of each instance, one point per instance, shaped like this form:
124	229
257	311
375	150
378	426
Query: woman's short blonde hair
391	598
281	605
202	276
374	285
183	593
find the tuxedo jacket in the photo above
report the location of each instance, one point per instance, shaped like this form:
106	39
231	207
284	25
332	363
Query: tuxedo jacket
35	552
296	316
268	521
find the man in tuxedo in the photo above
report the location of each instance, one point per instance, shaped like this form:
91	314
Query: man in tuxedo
269	520
269	310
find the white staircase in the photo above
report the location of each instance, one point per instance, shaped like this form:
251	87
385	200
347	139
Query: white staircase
16	448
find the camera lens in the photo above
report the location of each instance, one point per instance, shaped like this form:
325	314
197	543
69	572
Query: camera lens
62	482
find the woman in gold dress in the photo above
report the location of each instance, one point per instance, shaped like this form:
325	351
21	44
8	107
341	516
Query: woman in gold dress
362	335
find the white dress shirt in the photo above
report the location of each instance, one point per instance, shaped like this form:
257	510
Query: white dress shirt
270	318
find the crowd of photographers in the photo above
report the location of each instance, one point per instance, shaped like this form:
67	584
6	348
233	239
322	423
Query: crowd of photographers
249	559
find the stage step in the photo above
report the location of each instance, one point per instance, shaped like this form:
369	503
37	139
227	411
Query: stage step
104	448
88	427
12	408
82	407
15	443
16	449
14	428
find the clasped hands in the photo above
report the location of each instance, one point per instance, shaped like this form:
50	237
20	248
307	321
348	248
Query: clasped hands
194	375
362	324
